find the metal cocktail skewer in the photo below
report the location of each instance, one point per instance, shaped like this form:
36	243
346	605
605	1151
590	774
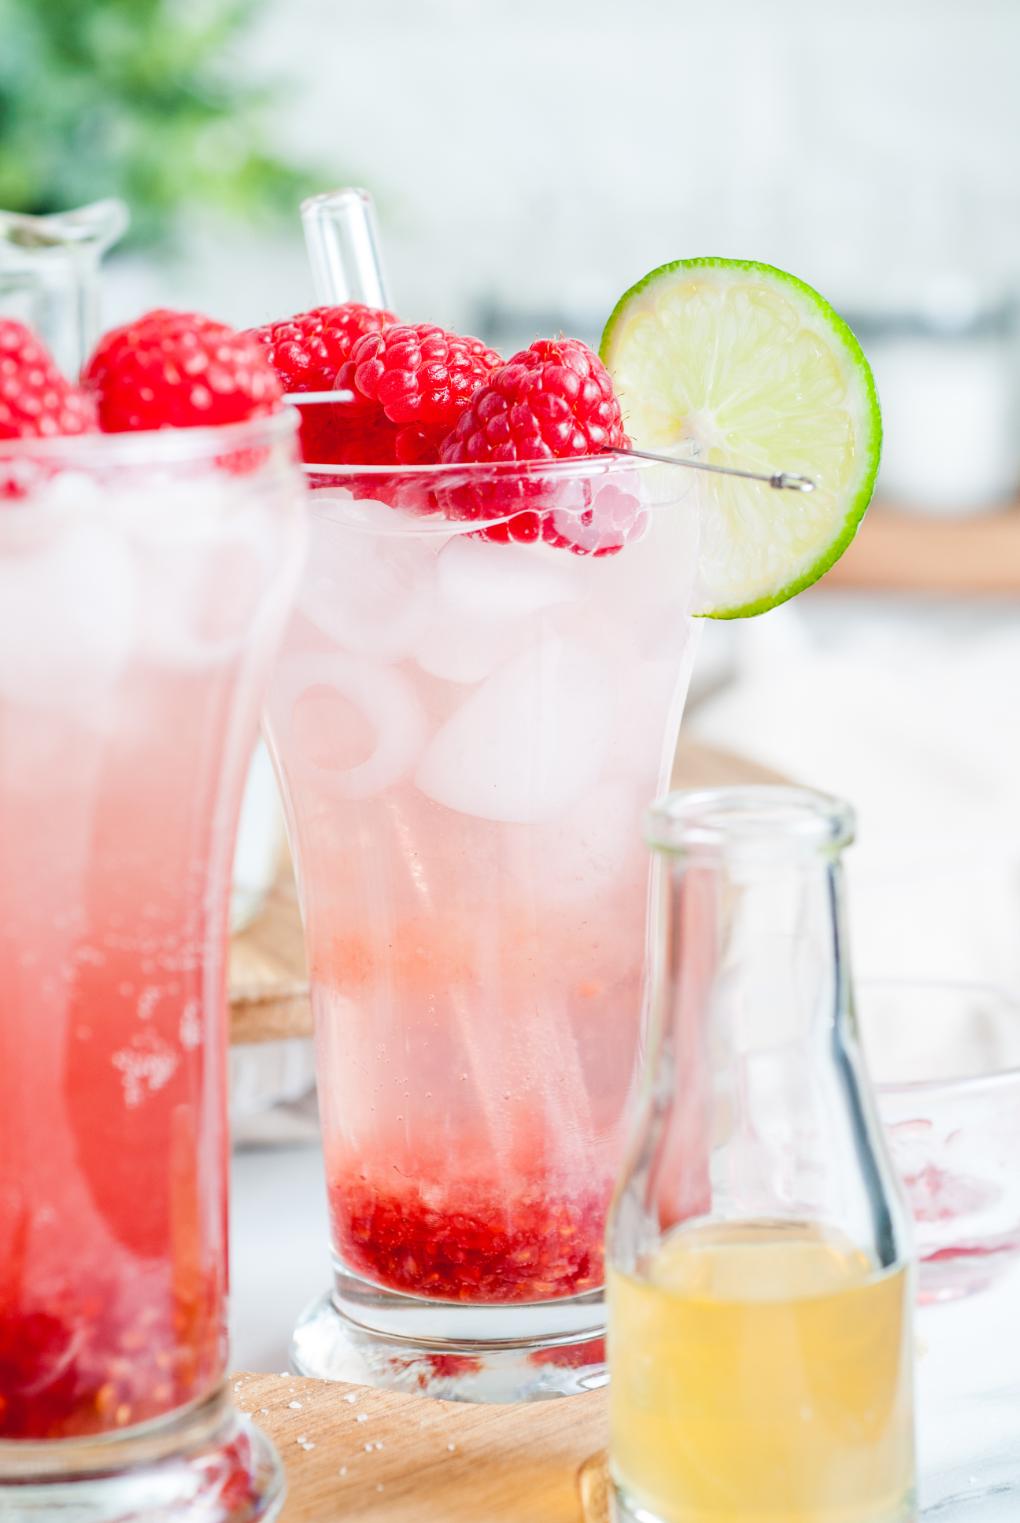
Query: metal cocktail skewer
780	481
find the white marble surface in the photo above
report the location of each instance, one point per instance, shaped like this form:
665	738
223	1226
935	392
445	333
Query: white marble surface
968	1406
279	1249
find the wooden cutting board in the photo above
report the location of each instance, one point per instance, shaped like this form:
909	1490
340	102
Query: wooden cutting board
268	981
367	1456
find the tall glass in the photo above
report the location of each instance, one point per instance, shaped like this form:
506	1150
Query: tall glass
144	582
478	693
760	1332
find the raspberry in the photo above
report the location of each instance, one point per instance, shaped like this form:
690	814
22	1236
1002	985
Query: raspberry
330	436
179	370
307	350
103	1345
610	519
36	401
419	378
552	401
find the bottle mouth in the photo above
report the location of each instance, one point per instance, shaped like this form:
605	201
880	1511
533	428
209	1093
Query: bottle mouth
763	819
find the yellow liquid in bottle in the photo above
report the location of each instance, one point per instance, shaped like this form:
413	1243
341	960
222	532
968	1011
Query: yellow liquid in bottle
761	1373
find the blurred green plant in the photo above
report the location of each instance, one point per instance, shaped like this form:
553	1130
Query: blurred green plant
142	99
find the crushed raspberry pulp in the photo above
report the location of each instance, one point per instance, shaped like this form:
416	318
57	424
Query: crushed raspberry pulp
474	1243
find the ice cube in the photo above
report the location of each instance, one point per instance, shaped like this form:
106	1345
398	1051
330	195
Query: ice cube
69	601
212	555
463	649
349	693
204	597
493	582
528	741
490	599
371	593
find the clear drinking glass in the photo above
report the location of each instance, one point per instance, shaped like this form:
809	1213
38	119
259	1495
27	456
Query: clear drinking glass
760	1302
144	581
468	718
945	1059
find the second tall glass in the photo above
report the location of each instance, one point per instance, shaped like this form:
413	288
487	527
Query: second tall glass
144	583
479	693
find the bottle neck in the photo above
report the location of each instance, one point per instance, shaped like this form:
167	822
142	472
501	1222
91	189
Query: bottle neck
755	954
758	1106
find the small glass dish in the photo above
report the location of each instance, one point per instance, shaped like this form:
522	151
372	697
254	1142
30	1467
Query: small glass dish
945	1060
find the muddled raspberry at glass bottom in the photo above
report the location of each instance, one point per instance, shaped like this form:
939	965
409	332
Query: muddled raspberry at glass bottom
111	1346
472	1240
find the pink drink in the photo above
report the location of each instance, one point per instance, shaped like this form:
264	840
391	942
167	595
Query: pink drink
468	734
142	586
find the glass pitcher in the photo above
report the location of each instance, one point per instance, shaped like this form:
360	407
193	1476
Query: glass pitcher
49	274
759	1289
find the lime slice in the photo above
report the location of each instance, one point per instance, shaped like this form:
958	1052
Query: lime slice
758	371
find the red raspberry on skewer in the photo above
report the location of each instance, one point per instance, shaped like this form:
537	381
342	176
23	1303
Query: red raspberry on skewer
552	401
306	351
419	378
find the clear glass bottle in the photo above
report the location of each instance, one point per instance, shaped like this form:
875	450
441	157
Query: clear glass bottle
760	1291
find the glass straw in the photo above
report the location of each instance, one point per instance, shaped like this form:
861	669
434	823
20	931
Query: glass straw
342	239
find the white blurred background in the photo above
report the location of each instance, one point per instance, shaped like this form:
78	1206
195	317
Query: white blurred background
537	156
532	159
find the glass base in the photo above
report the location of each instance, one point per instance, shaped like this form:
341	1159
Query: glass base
206	1465
375	1337
624	1509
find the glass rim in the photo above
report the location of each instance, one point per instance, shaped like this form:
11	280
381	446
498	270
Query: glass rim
966	1083
477	475
156	446
689	822
576	466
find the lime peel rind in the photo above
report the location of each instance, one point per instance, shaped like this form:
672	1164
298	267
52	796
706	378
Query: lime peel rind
841	344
